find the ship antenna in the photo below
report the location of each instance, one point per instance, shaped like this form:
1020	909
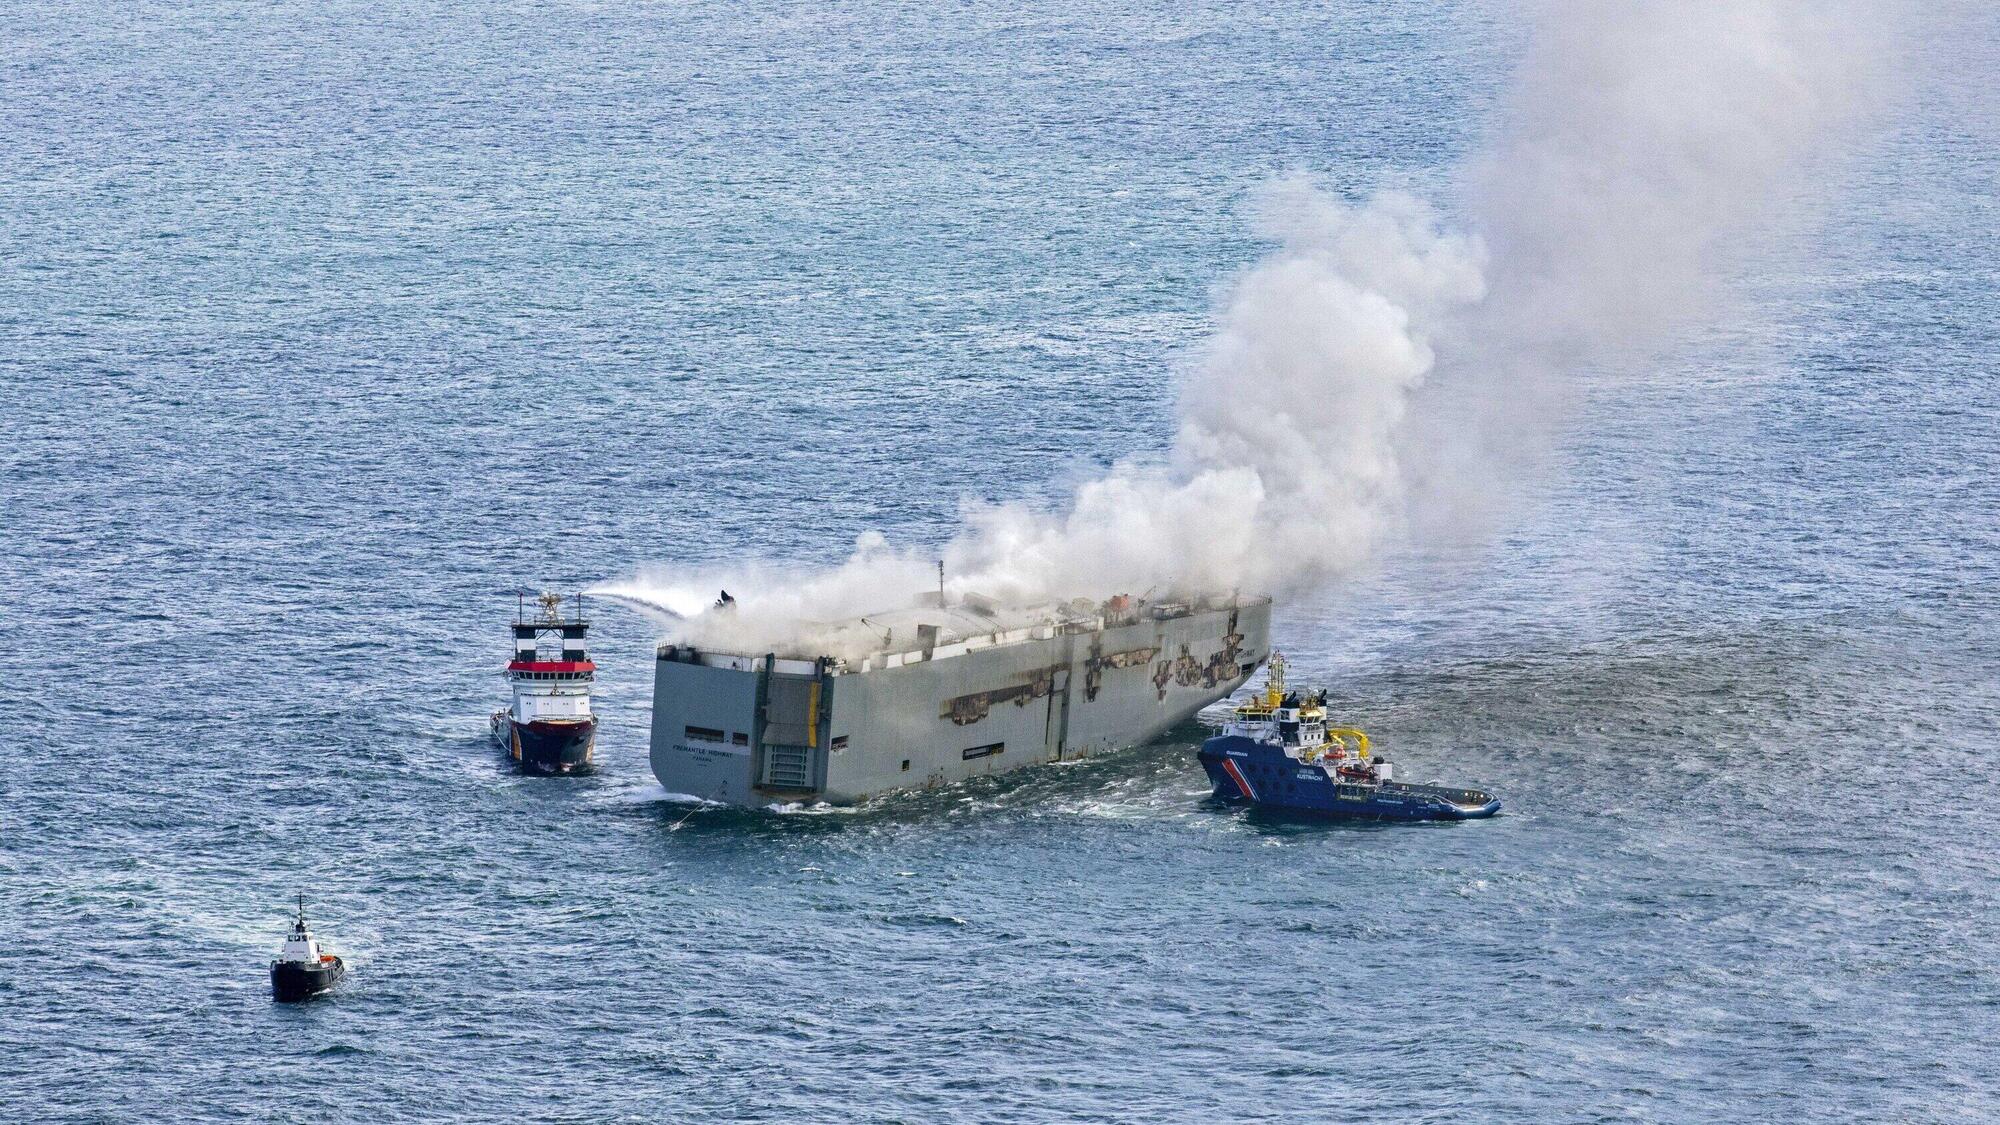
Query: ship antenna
940	583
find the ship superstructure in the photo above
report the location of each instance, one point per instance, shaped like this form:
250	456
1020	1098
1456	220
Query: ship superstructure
942	692
549	728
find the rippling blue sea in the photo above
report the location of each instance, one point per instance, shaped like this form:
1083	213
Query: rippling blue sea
324	327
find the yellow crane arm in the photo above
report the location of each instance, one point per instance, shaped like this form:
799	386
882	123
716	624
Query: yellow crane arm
1360	738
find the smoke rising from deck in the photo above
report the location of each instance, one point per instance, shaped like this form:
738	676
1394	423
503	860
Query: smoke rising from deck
1383	373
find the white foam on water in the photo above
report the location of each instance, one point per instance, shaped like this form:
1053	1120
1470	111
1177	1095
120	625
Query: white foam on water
653	793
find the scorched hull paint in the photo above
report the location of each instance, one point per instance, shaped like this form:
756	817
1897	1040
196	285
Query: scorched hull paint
952	694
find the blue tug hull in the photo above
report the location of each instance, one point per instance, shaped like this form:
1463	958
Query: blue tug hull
1262	774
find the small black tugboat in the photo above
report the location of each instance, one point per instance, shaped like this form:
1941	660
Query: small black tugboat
549	729
302	971
1277	752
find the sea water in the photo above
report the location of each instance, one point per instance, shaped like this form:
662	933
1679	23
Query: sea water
326	328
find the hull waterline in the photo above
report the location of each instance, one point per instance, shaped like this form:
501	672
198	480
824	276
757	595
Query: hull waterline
546	746
1245	772
293	981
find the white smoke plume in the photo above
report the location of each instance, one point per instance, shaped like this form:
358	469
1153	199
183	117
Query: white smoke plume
1638	153
1379	370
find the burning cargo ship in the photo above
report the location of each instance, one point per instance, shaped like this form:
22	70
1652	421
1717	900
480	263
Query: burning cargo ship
939	693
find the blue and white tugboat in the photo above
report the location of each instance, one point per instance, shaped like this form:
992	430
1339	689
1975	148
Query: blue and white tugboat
1277	752
302	969
549	729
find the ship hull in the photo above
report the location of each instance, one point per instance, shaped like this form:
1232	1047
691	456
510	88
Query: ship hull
293	981
758	731
1259	774
546	746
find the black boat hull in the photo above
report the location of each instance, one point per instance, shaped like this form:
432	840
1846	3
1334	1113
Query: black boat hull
546	747
292	981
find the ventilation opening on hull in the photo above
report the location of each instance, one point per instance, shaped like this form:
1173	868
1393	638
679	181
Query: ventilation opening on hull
787	767
983	751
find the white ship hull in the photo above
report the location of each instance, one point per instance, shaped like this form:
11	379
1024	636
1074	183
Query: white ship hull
754	731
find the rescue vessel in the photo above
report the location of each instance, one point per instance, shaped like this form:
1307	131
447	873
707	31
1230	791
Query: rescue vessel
302	970
550	728
1277	751
943	691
